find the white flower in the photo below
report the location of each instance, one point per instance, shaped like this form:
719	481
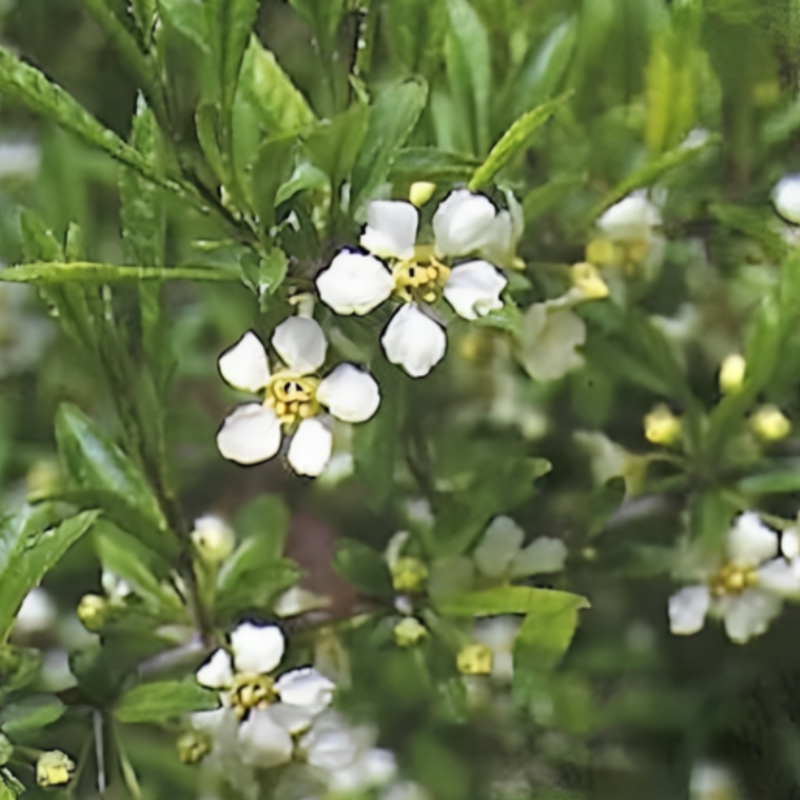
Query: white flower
710	781
631	219
357	283
746	589
270	711
214	539
36	614
499	634
550	336
293	398
786	198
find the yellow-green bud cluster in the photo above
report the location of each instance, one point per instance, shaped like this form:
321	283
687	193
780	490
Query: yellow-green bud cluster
54	768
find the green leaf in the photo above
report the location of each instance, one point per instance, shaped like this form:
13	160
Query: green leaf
779	482
333	145
155	702
416	31
30	714
469	69
272	168
266	519
363	568
90	273
508	319
513	141
392	118
429	164
29	548
19	666
757	224
271	273
323	17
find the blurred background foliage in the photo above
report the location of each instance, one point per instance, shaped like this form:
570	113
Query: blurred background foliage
632	707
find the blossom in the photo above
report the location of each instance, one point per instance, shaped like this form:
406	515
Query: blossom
294	398
269	711
786	197
550	337
745	588
357	283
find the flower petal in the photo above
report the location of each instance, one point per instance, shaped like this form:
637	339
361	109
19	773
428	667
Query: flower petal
541	555
245	365
548	342
781	577
311	447
301	344
473	289
414	341
463	223
354	283
252	433
750	542
294	719
391	229
790	543
688	609
629	220
217	672
306	688
350	394
499	545
263	742
257	649
786	197
369	769
749	614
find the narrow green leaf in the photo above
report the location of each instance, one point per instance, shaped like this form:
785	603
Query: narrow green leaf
779	482
272	168
429	164
271	273
252	578
267	519
513	141
53	273
757	224
30	714
507	600
363	568
155	702
333	145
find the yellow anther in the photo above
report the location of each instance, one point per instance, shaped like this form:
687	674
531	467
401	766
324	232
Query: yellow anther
587	278
603	252
193	746
731	373
409	574
421	278
293	397
54	768
770	424
420	192
732	579
410	632
93	612
252	691
475	659
661	426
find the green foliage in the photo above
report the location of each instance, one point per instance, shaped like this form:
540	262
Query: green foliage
151	702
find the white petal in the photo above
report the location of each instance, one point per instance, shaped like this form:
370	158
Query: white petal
311	447
750	542
786	197
245	364
473	289
463	223
372	768
548	342
262	742
391	229
541	555
219	722
629	220
414	341
688	609
294	719
350	394
250	434
307	688
301	344
217	672
781	577
790	543
749	614
331	750
257	649
37	612
354	283
499	545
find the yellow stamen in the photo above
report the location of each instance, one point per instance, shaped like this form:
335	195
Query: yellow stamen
292	396
252	691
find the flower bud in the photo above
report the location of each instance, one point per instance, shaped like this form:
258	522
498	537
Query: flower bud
475	659
420	192
587	278
603	252
410	632
661	426
731	373
54	768
93	612
409	574
213	539
193	746
770	424
786	197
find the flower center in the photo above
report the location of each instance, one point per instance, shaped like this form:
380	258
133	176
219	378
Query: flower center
252	691
292	396
732	579
420	279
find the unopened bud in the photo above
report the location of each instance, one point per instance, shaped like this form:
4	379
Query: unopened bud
420	192
475	659
193	746
213	539
54	768
731	373
661	426
603	252
93	612
587	278
410	632
770	424
409	574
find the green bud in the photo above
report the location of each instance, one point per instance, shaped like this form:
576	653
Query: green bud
409	574
93	612
410	632
193	746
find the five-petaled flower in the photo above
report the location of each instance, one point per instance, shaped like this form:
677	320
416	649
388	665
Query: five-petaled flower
746	588
356	283
269	711
294	398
